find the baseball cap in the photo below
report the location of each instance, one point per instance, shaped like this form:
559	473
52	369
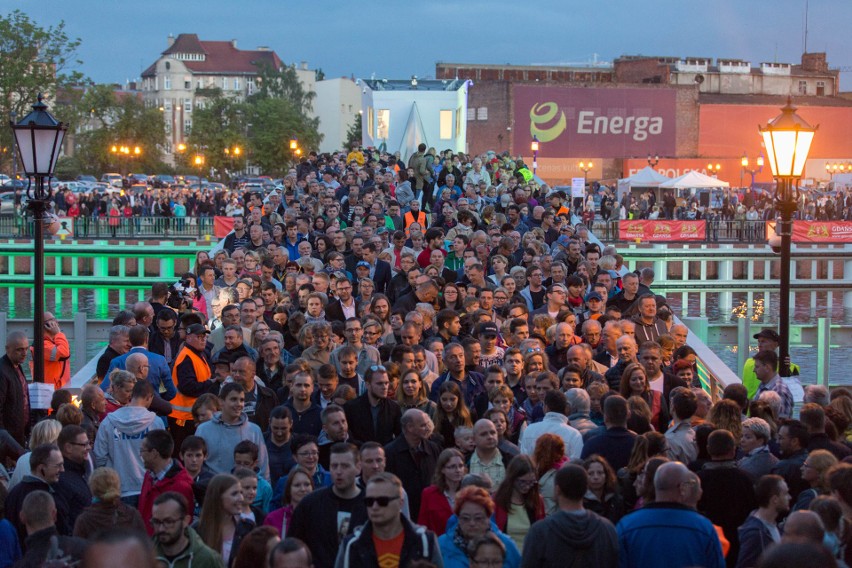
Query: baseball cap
362	263
487	328
770	334
197	329
593	296
563	241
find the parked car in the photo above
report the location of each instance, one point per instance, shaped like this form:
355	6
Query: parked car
86	178
112	179
138	178
163	180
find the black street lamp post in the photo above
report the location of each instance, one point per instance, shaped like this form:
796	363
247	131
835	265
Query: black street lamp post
787	139
38	137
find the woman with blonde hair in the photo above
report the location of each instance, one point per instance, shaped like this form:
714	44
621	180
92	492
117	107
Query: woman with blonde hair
44	432
814	471
107	510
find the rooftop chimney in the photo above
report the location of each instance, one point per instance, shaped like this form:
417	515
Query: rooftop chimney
816	62
234	43
170	40
303	65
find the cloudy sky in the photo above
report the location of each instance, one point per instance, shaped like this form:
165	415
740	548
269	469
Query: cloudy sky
400	38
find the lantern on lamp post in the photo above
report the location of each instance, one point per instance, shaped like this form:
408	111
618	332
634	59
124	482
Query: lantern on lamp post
38	138
787	139
534	147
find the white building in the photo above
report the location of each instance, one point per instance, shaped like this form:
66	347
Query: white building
337	104
399	115
189	70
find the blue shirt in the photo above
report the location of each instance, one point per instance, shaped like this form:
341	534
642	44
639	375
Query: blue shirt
777	385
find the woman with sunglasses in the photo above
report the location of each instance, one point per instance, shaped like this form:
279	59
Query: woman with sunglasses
518	503
473	509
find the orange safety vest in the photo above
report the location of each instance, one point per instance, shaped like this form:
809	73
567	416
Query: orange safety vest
181	403
409	219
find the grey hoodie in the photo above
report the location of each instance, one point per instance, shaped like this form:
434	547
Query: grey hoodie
564	539
221	439
118	441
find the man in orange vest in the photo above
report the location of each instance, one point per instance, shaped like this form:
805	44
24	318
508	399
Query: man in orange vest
192	374
415	215
57	352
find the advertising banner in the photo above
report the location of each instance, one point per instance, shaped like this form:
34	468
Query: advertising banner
661	230
837	232
222	226
581	122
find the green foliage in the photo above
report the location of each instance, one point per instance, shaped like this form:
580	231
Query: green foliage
276	121
353	135
283	84
218	125
68	168
33	59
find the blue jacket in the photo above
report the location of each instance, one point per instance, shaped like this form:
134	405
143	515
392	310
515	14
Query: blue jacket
454	557
158	371
685	536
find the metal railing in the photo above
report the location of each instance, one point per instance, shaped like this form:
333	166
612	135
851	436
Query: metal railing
718	231
137	227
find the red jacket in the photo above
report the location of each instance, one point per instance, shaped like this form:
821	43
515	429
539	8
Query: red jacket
435	510
176	479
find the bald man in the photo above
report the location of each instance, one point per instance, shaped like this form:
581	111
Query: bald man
670	524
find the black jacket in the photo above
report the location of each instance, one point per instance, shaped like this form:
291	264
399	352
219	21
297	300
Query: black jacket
414	467
266	401
727	499
315	522
382	276
359	416
156	343
565	539
74	488
37	545
15	502
12	401
334	311
418	543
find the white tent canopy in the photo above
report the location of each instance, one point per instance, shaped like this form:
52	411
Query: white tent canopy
646	177
694	179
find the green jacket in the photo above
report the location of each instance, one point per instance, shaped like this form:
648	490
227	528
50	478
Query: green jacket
196	555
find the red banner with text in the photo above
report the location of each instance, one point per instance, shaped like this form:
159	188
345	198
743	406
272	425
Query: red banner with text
222	226
817	231
660	230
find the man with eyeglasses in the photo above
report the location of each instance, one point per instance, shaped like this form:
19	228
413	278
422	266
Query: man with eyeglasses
388	538
164	340
556	295
367	355
174	537
73	484
345	306
14	391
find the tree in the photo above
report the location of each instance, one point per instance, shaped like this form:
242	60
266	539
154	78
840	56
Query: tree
353	135
276	121
116	121
283	84
218	125
33	60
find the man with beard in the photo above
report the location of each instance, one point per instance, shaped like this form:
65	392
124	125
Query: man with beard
175	539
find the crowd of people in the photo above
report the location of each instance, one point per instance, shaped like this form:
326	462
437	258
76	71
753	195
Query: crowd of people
425	365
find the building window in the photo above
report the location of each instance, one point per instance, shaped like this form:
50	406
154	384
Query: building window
383	124
224	83
168	127
167	83
446	125
236	83
803	87
250	86
167	104
482	113
471	113
187	105
820	88
187	125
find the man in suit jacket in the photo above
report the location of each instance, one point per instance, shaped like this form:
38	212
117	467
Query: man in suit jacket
413	456
359	411
337	310
14	393
380	271
165	339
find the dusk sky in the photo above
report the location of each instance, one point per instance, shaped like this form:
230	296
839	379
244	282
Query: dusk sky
397	39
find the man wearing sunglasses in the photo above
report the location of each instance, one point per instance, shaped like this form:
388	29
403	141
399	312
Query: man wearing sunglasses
388	538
